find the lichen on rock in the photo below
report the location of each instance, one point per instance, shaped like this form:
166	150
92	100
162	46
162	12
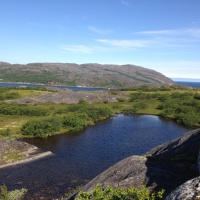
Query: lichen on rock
190	190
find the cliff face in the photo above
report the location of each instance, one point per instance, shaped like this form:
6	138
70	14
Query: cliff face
164	167
89	75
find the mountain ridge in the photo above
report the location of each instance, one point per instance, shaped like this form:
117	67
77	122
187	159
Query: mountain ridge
88	74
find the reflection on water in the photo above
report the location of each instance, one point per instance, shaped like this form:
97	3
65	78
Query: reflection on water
79	157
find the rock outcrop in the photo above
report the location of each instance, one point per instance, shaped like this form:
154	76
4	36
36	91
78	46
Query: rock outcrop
13	152
164	167
188	191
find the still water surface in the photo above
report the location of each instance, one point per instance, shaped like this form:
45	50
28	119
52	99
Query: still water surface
30	85
79	157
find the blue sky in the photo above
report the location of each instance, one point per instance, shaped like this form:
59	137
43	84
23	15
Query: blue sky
163	35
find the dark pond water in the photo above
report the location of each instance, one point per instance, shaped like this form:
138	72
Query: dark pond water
16	85
79	157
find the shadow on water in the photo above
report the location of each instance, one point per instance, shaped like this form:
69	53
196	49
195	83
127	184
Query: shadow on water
79	157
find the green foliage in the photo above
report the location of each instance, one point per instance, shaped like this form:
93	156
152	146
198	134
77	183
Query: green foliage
41	128
12	195
78	117
142	105
117	106
120	99
182	96
98	113
183	107
82	102
5	94
105	101
76	122
93	112
130	110
76	107
197	96
110	193
16	109
6	132
40	77
145	88
114	92
187	119
136	96
73	191
142	96
136	107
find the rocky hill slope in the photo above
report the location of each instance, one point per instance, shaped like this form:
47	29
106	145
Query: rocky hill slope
89	75
164	167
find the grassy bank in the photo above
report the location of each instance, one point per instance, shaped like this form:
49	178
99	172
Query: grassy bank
43	120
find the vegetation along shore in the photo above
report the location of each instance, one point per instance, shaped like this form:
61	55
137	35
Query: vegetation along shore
42	112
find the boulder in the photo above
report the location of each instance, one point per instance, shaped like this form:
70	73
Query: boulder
129	172
188	191
164	167
182	149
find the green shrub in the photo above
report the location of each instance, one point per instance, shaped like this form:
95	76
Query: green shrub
116	106
187	119
197	96
12	195
16	109
110	193
142	105
76	122
42	128
120	99
6	132
98	113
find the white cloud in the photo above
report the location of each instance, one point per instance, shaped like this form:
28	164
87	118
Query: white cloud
188	37
125	43
191	32
78	49
99	31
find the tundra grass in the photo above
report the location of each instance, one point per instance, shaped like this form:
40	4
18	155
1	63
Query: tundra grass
27	93
12	156
16	122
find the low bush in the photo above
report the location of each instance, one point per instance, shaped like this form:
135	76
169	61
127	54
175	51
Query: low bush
41	128
110	193
76	122
6	132
12	195
16	109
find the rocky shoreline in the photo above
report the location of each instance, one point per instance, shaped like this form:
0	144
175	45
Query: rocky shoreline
13	152
173	166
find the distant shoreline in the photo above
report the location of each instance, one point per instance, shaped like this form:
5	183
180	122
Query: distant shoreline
33	85
188	84
186	80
